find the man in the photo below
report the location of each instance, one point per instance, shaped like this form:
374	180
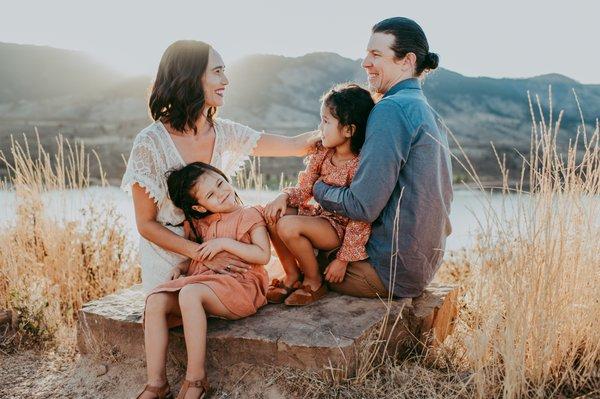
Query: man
403	185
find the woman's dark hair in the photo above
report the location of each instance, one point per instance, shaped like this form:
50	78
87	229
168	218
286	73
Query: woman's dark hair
409	38
177	95
180	183
351	105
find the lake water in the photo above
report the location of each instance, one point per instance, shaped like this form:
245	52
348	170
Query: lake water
467	208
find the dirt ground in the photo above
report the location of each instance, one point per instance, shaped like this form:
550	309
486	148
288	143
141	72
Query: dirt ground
51	374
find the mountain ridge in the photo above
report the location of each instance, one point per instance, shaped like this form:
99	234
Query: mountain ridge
85	100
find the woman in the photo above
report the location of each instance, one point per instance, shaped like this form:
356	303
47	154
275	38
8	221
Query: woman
186	94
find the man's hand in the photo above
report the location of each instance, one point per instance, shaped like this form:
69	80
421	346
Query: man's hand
335	271
276	208
226	265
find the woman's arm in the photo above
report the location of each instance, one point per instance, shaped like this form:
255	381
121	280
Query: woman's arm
150	229
276	145
259	252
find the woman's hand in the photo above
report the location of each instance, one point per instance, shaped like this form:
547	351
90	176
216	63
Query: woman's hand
175	273
335	271
312	140
226	265
276	208
179	270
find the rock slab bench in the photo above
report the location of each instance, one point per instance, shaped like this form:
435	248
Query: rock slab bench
325	334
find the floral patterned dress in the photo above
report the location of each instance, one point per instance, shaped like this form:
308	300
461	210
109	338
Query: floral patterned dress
353	234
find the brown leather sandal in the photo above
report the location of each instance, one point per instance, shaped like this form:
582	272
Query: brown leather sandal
163	392
274	294
305	295
187	384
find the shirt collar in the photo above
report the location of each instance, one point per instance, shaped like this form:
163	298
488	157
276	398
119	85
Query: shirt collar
411	83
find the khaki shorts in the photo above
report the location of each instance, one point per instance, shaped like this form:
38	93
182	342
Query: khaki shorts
361	279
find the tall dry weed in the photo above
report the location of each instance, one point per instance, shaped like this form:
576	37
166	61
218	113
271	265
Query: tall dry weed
532	308
50	266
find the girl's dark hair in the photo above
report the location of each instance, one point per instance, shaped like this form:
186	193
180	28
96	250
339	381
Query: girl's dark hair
177	95
409	38
180	183
351	105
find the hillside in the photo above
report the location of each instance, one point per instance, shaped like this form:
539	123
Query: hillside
64	91
30	72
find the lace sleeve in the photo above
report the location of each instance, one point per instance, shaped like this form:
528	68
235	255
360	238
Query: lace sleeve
238	143
143	167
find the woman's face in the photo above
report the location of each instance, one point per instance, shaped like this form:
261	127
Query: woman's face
213	193
333	133
214	80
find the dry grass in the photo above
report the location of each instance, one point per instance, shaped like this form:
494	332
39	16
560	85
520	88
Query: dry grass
50	267
531	282
532	309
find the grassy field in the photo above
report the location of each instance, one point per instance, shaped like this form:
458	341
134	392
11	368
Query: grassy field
530	283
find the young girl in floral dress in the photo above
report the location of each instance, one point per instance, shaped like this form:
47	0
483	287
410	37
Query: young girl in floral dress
214	217
297	227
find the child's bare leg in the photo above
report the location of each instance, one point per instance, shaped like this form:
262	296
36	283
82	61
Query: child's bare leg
287	259
301	234
156	336
196	302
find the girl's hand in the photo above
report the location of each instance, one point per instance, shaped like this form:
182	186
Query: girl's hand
335	271
276	208
210	248
226	265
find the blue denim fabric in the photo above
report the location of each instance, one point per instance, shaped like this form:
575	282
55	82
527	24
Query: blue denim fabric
403	186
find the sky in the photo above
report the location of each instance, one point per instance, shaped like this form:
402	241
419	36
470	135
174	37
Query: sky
509	38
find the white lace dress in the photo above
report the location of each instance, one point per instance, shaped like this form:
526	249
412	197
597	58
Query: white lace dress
152	156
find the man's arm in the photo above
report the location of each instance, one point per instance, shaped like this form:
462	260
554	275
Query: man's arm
387	145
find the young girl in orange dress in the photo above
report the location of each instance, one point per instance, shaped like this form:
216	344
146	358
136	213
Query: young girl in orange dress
214	216
297	227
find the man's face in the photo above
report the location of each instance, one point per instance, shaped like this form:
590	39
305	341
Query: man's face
381	64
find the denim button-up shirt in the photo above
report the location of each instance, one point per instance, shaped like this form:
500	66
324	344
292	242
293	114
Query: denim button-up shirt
403	186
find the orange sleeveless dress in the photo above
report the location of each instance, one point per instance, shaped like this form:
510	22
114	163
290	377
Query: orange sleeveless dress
243	294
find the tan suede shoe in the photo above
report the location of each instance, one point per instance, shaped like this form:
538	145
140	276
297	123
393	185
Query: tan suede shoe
305	295
277	291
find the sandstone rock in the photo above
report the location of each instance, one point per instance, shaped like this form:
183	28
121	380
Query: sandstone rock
327	333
